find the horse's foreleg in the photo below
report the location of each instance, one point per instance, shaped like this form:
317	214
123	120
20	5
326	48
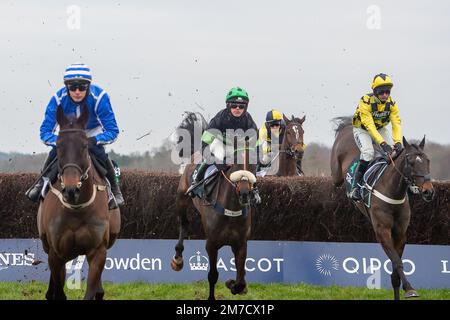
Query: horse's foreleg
181	210
50	295
57	277
100	292
96	259
213	274
395	281
240	254
384	236
399	244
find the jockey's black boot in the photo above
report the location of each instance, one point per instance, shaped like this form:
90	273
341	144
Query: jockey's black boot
114	181
299	167
355	194
197	177
34	194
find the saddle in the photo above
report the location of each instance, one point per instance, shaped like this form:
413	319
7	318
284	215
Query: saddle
210	179
374	172
207	191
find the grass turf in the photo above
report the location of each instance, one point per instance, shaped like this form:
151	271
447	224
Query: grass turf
199	291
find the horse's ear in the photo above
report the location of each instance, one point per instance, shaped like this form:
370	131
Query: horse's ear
405	143
422	143
303	119
286	119
82	120
60	117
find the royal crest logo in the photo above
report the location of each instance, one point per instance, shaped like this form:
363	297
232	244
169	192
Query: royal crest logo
198	262
326	263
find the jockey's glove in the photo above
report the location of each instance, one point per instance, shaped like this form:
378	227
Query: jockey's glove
398	147
92	141
386	148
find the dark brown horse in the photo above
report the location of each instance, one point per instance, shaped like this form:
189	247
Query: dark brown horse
230	227
390	211
73	219
291	149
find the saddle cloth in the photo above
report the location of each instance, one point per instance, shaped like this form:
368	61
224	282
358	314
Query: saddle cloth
374	172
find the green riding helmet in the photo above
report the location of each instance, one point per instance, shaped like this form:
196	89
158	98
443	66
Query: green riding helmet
237	94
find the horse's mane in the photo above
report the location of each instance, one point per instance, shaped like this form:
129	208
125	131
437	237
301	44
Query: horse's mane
340	123
191	120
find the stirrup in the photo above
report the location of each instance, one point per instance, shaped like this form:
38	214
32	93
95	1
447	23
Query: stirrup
34	194
191	188
120	201
112	204
354	193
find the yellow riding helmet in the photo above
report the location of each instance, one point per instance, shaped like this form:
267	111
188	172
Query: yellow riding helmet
274	115
381	79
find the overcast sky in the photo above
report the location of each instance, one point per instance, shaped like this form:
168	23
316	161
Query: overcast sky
159	58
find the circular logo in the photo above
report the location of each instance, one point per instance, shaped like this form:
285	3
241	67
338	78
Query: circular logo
326	263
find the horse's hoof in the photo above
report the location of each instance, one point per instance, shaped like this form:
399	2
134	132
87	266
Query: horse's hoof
177	264
99	295
411	294
230	283
244	291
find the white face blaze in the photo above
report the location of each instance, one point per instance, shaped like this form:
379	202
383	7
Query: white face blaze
297	134
419	159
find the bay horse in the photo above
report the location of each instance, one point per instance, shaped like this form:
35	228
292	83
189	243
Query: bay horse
291	149
390	211
74	219
230	227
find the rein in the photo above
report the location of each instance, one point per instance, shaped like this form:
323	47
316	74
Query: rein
235	185
408	179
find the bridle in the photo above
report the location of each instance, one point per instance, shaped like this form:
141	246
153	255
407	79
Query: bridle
236	184
409	176
84	174
290	148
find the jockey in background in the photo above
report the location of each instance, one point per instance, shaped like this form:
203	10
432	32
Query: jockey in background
273	128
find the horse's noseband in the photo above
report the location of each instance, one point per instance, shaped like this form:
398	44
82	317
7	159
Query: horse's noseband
83	177
292	153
